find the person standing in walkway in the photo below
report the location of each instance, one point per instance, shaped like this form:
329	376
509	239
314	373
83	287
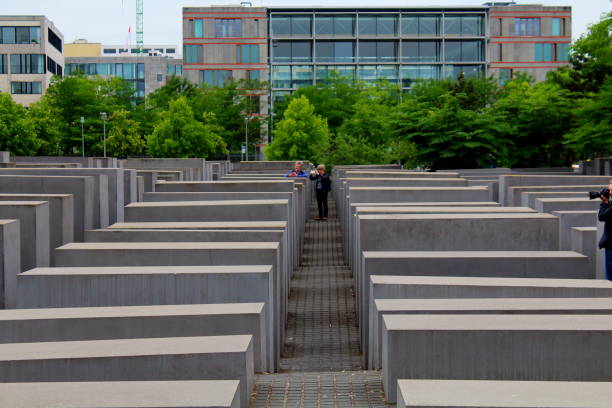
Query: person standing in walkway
297	171
322	188
605	216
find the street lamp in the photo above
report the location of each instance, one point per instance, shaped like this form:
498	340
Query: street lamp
82	136
246	136
104	117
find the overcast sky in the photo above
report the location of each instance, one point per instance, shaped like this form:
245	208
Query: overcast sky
107	21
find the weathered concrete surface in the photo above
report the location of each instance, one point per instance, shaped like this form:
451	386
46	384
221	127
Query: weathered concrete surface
502	394
548	205
506	182
228	186
61	216
10	262
197	166
584	242
221	225
515	194
519	306
124	394
535	347
403	182
396	174
571	219
528	197
216	196
34	231
81	188
134	322
158	359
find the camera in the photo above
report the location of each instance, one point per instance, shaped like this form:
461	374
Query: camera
605	193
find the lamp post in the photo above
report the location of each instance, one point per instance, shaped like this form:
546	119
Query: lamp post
82	136
104	117
246	136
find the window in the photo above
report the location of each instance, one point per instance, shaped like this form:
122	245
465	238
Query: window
557	27
193	54
412	73
110	51
253	103
252	75
292	51
420	25
247	54
420	51
335	25
23	88
140	69
375	73
301	75
463	25
27	63
53	67
325	71
174	69
215	78
543	52
335	51
54	40
500	52
505	75
377	51
281	76
291	25
468	71
562	52
458	51
198	31
123	50
227	27
160	77
3	64
279	96
170	51
527	26
378	25
20	35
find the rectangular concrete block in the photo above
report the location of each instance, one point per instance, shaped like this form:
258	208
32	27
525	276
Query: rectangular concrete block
528	198
584	242
502	394
507	182
519	306
34	232
404	182
80	187
548	205
134	322
10	262
496	347
417	194
124	394
571	219
158	359
221	225
228	186
397	174
61	216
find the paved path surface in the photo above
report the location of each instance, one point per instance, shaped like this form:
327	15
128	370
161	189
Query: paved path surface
321	362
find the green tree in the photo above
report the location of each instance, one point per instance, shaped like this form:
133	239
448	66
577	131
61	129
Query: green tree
179	134
17	131
123	137
592	135
48	125
300	135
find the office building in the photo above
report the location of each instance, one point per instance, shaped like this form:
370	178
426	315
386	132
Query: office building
31	52
84	48
293	47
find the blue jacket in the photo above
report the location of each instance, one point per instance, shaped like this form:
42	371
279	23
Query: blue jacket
293	173
605	215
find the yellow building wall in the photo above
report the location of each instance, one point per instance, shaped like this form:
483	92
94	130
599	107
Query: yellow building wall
83	50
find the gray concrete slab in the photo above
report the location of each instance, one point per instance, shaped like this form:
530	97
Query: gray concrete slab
584	241
81	188
34	230
418	194
61	216
528	197
571	219
122	394
496	347
150	179
137	286
403	182
134	322
508	183
568	306
198	165
600	263
106	184
397	174
158	359
10	262
220	225
503	394
548	205
228	186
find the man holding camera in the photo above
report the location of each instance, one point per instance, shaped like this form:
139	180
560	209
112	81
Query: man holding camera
605	216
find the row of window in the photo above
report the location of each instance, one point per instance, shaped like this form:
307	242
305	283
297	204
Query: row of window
174	69
245	54
532	26
29	64
224	28
20	35
383	24
295	76
378	51
26	88
219	78
136	51
125	71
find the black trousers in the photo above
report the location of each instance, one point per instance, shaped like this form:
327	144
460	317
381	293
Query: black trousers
322	203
